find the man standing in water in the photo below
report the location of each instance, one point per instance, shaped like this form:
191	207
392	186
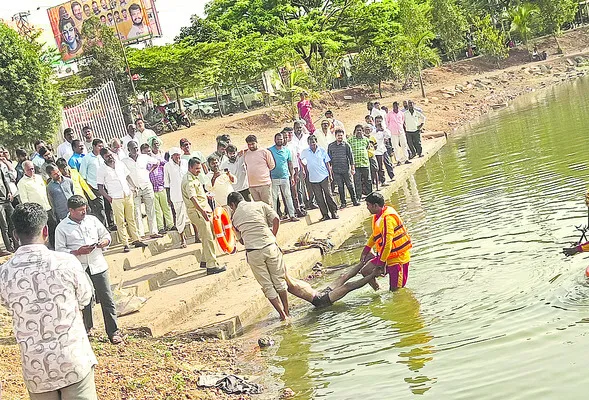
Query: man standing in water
390	240
256	225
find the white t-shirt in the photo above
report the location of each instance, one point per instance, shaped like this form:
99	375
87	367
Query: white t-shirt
379	113
221	189
115	180
238	170
145	135
126	139
380	137
65	151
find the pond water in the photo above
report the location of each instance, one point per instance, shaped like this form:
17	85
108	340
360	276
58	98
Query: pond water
492	309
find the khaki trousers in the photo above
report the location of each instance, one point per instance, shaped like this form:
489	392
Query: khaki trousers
205	233
269	269
124	210
262	193
83	390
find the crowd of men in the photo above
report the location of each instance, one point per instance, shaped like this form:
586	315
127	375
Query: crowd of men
71	200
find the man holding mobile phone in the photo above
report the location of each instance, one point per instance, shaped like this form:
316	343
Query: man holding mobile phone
85	237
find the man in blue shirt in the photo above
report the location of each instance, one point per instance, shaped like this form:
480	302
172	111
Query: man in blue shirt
316	163
76	158
282	175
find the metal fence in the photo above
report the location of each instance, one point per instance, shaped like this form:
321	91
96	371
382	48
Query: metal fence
101	111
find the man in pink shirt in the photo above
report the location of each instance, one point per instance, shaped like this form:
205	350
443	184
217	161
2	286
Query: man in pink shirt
259	163
395	121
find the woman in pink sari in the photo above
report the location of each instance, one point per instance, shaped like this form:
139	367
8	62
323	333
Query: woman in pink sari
305	107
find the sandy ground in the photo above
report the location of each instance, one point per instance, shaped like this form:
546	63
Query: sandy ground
456	94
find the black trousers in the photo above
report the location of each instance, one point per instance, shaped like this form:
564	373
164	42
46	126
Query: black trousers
386	160
51	225
98	207
7	226
341	179
362	182
246	194
103	295
414	143
325	201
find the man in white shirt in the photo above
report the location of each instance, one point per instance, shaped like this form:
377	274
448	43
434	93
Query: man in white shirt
174	171
414	120
324	135
335	124
299	142
144	133
221	182
395	122
88	135
85	237
236	166
48	318
136	163
115	177
382	157
132	135
64	150
376	112
138	28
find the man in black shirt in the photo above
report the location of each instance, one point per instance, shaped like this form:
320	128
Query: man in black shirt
6	211
342	164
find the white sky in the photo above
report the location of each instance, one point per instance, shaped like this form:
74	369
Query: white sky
173	15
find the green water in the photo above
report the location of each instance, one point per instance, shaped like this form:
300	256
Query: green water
492	309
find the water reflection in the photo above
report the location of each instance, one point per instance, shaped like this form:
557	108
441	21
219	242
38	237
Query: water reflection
402	309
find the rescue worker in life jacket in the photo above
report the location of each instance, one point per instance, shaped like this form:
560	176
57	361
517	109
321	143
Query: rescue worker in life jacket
391	242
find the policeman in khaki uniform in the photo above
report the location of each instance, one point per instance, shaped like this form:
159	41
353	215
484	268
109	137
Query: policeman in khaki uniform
199	213
252	222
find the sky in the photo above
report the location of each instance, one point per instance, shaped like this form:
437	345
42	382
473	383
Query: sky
173	14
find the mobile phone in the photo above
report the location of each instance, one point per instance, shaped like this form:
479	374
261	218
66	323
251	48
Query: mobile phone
226	169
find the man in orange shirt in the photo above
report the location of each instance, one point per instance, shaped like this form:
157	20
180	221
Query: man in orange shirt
391	242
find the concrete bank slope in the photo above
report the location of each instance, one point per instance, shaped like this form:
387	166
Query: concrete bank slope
182	298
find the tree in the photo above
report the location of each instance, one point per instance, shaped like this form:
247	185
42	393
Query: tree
555	14
29	102
104	60
202	30
371	67
522	21
450	25
411	49
489	41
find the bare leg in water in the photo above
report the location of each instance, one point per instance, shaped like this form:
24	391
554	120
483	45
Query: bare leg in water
340	287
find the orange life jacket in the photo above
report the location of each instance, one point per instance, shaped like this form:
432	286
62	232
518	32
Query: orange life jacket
401	239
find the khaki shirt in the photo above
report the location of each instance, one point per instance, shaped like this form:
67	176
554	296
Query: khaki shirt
252	221
192	187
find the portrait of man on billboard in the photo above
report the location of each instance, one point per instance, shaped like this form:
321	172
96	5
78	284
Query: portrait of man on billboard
71	40
77	11
139	27
87	11
95	8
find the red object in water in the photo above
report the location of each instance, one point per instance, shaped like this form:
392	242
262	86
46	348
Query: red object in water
587	272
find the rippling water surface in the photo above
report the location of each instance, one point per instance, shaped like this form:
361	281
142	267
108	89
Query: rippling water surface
492	310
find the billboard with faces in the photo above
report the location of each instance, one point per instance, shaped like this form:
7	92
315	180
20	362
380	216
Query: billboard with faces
128	18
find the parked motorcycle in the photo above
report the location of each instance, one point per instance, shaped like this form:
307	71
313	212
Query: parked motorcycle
179	117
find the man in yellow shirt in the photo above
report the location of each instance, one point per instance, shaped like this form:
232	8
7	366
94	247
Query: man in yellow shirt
391	242
80	186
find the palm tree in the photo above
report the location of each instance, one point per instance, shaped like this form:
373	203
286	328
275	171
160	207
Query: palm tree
521	21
